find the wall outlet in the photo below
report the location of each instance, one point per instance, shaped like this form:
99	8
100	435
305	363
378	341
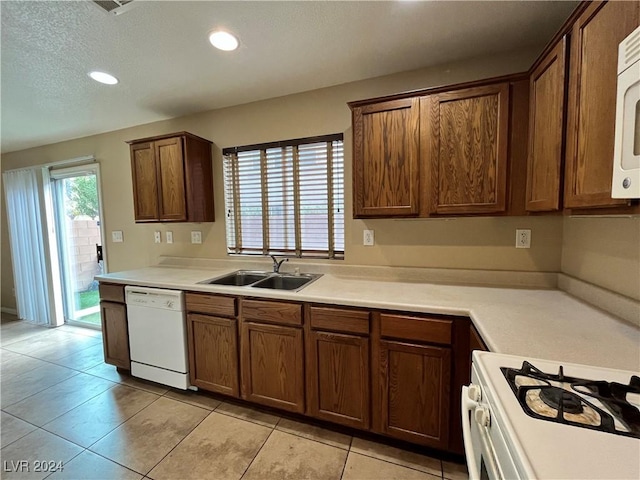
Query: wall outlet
169	237
523	238
196	237
368	238
116	236
157	237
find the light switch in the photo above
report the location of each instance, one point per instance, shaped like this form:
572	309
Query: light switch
196	237
116	236
169	237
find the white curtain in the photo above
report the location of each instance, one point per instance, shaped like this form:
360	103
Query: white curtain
27	246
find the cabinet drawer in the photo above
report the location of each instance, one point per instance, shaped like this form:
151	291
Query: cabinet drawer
272	312
212	304
111	292
340	320
415	328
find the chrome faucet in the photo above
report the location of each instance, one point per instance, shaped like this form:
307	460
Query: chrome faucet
276	263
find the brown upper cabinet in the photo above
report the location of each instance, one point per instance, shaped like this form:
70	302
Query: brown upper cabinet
540	141
595	36
441	151
172	178
385	167
547	87
468	138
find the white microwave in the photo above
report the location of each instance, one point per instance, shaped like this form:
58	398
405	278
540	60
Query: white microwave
626	155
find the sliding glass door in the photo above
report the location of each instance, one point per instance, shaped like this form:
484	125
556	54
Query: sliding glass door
76	202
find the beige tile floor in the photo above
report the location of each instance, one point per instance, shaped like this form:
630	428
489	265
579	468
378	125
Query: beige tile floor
62	404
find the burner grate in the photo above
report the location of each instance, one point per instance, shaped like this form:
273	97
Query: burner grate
572	401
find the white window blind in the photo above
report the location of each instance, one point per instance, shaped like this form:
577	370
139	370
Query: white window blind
286	198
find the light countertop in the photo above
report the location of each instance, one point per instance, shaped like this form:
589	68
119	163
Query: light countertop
539	323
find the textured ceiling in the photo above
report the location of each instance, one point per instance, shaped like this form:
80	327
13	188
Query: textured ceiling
167	68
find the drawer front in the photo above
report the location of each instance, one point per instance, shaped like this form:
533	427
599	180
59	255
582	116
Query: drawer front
272	312
415	328
212	304
111	292
340	320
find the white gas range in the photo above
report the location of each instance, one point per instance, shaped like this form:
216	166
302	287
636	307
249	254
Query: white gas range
531	418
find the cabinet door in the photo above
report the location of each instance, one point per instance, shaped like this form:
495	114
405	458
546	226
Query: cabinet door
338	378
171	189
213	353
385	159
414	382
468	137
273	366
115	334
546	129
592	101
145	189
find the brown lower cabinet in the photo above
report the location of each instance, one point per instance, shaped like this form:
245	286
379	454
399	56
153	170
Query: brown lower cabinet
213	353
338	383
414	392
115	330
213	342
273	366
272	358
391	373
412	377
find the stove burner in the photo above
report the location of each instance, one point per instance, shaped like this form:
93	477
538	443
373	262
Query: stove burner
561	400
597	405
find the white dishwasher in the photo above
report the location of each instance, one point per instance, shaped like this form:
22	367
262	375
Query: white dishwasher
157	335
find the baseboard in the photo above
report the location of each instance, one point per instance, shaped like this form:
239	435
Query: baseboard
11	311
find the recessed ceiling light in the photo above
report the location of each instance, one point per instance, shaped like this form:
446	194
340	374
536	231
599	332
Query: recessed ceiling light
223	41
103	78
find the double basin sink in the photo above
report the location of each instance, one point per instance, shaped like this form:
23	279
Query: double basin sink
274	281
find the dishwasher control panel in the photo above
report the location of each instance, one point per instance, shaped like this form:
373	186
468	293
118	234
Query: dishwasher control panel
155	298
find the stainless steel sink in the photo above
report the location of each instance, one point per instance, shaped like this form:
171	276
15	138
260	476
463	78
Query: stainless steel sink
279	281
240	278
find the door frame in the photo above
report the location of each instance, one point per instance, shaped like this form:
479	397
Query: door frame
49	174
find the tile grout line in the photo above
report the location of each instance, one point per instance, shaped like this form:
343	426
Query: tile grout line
405	466
113	461
176	445
52	362
346	459
67	336
255	422
43	329
28	433
42	391
68	461
258	452
119	425
83	449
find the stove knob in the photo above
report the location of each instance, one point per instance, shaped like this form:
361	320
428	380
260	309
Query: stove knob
475	392
482	416
169	304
